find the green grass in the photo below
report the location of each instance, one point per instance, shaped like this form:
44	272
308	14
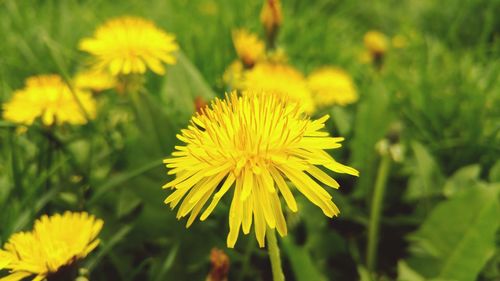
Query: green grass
441	92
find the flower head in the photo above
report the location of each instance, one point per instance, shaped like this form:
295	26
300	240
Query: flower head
130	45
252	144
248	46
281	79
233	74
332	86
55	242
48	97
94	80
376	42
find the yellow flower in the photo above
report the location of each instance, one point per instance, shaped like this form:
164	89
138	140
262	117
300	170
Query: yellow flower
48	97
271	17
248	46
130	45
94	80
252	143
332	86
56	241
281	79
233	73
376	42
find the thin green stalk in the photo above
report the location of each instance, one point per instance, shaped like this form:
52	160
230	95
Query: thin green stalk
274	255
246	259
16	173
376	210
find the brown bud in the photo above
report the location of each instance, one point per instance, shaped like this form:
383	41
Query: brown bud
199	104
220	265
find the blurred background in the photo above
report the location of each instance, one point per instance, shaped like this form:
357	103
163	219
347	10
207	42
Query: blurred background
426	130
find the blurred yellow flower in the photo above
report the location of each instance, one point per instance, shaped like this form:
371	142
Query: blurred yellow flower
130	45
94	80
55	242
271	17
252	143
332	86
249	47
376	42
233	73
48	97
278	78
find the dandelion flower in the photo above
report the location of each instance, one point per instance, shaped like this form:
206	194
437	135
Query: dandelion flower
128	45
331	86
376	42
252	144
55	242
233	74
94	80
248	46
281	79
48	97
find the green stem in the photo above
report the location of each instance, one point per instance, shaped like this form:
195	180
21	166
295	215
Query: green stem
246	259
16	170
274	255
376	210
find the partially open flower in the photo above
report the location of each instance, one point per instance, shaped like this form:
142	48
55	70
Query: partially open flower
249	47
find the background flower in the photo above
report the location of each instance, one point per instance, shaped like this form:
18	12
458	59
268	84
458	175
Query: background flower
51	99
330	86
278	78
130	45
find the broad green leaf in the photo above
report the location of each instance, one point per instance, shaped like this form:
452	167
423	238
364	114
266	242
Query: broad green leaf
182	85
364	274
405	273
120	179
465	177
426	180
342	119
458	237
370	125
302	264
494	175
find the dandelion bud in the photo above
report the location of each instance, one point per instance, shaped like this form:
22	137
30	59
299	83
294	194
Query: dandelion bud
271	17
220	265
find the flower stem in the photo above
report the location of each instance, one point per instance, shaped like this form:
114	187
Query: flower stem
376	210
274	255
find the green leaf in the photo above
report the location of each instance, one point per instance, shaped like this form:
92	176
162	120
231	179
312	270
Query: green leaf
370	125
182	85
302	263
494	175
364	274
463	178
405	273
120	179
107	245
342	119
426	180
458	237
